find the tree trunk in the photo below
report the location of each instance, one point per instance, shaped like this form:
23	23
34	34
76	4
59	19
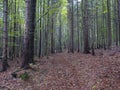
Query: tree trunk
60	34
109	25
86	29
71	25
78	49
52	32
5	37
119	19
15	27
28	51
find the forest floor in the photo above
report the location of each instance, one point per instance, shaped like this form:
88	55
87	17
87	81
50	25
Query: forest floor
66	71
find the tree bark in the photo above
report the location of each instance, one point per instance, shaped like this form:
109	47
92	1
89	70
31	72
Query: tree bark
60	34
5	36
109	25
28	51
86	29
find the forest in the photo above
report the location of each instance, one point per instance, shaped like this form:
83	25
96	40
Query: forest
60	45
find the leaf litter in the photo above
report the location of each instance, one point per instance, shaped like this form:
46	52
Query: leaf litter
66	71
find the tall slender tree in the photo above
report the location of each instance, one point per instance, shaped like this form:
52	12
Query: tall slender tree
86	27
78	32
5	36
28	51
60	33
118	1
52	31
109	24
15	27
71	25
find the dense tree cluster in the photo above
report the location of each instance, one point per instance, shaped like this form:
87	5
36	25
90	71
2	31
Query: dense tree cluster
41	27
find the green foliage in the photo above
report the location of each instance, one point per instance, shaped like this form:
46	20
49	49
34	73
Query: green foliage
24	76
14	34
11	44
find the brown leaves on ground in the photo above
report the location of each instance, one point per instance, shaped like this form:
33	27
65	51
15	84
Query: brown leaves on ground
68	72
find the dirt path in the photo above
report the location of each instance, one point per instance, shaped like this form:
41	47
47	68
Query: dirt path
72	73
83	71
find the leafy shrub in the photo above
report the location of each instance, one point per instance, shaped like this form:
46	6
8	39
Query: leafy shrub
24	76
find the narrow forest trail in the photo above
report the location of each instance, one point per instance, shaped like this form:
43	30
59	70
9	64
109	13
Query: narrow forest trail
83	72
66	71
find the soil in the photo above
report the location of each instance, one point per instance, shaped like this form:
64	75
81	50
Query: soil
67	71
